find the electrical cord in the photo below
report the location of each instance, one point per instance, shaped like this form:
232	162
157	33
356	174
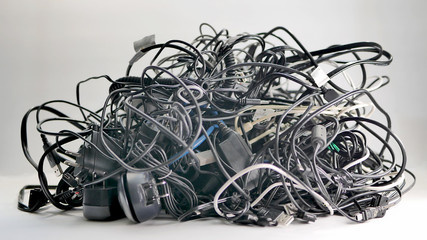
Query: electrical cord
245	127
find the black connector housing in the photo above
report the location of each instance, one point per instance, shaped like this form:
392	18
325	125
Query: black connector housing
233	149
305	216
36	198
236	153
100	201
53	157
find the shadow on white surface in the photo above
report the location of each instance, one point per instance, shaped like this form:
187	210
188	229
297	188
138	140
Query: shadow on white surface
405	219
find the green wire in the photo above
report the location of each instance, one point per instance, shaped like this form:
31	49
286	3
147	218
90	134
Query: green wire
333	147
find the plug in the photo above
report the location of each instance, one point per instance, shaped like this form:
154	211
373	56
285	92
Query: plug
370	213
275	216
329	94
247	218
53	157
32	202
377	209
305	216
70	180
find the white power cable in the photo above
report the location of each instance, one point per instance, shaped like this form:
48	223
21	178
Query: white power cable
265	166
360	160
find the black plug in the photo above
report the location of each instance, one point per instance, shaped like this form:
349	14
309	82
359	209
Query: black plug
329	94
247	218
305	216
36	198
273	216
377	210
53	157
370	213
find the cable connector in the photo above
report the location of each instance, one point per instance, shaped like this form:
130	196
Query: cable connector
273	217
53	157
380	200
319	76
285	219
370	213
329	94
70	180
247	218
318	136
252	101
35	200
305	216
377	209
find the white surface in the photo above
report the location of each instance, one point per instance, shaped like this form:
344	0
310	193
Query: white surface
46	47
404	220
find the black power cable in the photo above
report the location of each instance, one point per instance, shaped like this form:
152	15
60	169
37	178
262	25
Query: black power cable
246	127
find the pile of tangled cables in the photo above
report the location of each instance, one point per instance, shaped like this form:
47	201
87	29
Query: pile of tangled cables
249	128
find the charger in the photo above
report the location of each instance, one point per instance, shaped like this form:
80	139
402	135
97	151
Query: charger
233	149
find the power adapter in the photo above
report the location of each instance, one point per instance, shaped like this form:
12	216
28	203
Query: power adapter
233	149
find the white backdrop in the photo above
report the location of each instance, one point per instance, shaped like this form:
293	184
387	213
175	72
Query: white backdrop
46	47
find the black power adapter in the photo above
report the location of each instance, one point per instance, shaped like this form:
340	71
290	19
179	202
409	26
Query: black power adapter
233	149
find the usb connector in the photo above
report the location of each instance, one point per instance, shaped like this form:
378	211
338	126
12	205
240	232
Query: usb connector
53	157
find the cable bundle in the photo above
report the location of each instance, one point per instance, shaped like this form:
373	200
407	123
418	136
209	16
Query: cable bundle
248	127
